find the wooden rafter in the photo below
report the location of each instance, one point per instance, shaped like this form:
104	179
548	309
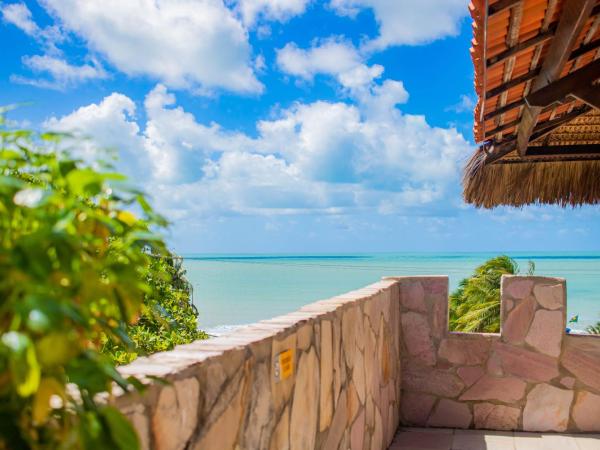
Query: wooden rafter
521	46
512	38
579	84
574	16
497	150
563	150
500	6
577	53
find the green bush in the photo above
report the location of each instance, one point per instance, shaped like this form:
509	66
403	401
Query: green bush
80	263
168	315
475	304
593	329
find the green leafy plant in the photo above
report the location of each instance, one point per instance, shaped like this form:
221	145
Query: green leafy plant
593	329
76	266
475	304
168	314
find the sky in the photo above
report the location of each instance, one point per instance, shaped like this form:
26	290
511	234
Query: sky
276	126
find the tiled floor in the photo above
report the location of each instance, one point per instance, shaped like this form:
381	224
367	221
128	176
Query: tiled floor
447	439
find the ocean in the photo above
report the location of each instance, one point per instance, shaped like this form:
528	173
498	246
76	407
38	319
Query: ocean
233	290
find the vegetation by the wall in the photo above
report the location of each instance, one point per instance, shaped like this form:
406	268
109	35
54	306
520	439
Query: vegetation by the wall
475	304
80	264
594	329
168	315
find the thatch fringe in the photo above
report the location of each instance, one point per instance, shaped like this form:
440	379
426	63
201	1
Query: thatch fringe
566	183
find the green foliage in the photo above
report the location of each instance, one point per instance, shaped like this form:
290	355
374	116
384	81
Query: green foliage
594	329
168	315
75	269
475	304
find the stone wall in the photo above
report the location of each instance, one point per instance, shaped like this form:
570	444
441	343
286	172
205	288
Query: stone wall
239	392
531	376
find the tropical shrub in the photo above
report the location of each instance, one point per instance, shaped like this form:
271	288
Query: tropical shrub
475	304
80	262
168	315
594	329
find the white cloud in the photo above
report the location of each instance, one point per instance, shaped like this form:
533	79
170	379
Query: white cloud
321	156
61	73
279	10
19	15
465	104
192	44
109	124
408	22
332	56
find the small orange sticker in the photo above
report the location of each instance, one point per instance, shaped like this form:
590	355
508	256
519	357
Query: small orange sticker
284	365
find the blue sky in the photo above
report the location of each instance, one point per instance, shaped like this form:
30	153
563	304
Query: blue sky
274	126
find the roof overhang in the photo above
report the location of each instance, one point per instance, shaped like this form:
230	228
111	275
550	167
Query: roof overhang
537	118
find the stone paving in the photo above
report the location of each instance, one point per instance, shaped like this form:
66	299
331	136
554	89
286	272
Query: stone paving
450	439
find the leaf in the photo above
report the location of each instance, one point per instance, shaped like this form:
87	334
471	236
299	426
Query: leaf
23	364
41	403
127	218
122	432
84	182
55	349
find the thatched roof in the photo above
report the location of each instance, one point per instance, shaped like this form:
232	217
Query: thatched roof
537	120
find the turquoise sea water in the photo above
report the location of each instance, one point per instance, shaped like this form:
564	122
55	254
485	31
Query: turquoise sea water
234	290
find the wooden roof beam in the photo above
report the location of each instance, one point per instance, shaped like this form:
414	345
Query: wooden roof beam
579	51
521	46
579	84
557	159
573	18
500	6
540	38
496	150
563	150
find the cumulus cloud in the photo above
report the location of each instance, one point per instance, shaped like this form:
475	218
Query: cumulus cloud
333	56
61	74
192	44
465	104
19	15
331	157
105	128
408	22
278	10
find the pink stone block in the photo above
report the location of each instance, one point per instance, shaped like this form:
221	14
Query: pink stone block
417	338
357	432
467	352
496	417
526	364
507	390
450	414
438	286
550	296
470	375
494	365
431	381
515	324
516	287
412	296
416	408
547	408
439	322
547	331
582	358
586	411
568	382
